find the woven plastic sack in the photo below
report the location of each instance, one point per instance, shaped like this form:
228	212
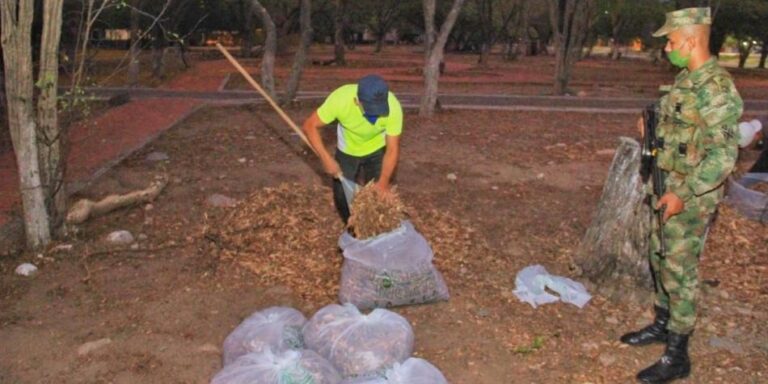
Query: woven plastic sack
358	344
287	367
388	270
411	371
274	328
750	203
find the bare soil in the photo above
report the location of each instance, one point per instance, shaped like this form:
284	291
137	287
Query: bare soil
526	185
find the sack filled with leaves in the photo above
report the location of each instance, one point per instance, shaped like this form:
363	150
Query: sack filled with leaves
287	367
372	214
411	371
389	270
748	196
358	344
276	328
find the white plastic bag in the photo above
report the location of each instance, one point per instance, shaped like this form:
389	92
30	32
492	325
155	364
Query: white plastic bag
275	328
749	202
531	285
358	344
388	270
288	367
411	371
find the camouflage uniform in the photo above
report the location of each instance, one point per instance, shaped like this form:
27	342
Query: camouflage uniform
699	127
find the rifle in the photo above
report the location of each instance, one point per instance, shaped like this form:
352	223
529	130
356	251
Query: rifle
648	167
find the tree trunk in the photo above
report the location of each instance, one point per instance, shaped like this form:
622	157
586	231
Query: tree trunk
569	25
301	54
16	39
135	49
246	43
744	53
763	54
50	137
338	33
270	49
485	50
158	56
435	53
379	42
613	252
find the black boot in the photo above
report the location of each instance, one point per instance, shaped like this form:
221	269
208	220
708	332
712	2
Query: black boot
654	333
674	363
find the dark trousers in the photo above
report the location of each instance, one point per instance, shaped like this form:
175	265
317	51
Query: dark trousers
367	167
761	165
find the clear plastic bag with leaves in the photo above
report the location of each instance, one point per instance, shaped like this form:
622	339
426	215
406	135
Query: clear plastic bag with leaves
287	367
389	270
274	328
358	344
411	371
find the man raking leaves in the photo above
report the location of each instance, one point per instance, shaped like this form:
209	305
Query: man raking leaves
369	122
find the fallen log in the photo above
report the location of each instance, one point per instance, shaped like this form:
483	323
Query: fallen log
85	208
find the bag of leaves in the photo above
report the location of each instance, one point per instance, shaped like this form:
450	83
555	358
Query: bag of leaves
388	270
358	344
287	367
412	371
749	195
275	328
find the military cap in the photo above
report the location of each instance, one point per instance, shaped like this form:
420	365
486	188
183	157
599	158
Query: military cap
684	17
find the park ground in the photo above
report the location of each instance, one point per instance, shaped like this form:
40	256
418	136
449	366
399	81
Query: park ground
522	190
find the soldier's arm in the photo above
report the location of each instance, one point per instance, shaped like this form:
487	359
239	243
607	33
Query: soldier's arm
720	109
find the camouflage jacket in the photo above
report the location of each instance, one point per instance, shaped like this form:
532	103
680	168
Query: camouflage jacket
698	123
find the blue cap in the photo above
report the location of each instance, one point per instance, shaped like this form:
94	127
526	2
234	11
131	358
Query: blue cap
373	93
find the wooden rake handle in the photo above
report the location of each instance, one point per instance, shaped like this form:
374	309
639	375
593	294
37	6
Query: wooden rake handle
274	105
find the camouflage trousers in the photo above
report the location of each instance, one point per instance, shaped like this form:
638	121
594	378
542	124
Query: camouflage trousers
676	275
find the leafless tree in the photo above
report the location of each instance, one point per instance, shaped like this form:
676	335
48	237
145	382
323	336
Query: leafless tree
270	48
305	20
31	129
434	51
338	32
570	23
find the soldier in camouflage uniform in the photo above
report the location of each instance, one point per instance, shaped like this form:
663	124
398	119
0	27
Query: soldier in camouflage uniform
698	126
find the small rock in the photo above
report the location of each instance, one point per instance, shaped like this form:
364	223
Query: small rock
121	237
221	201
727	344
92	346
589	346
242	160
62	248
540	176
606	152
612	320
208	348
724	294
607	359
149	207
495	188
157	156
451	177
26	269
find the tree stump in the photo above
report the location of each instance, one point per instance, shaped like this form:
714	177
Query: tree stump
613	253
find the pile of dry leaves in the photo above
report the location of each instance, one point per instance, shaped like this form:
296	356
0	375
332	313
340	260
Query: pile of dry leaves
288	236
373	215
736	248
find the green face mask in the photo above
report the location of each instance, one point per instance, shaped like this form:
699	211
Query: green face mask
678	60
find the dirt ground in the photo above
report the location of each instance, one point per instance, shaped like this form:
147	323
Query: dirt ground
526	185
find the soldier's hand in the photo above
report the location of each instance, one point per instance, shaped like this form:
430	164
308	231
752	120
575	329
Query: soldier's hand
641	126
672	203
